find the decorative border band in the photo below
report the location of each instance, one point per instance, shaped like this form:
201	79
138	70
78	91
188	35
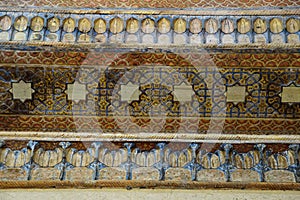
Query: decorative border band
193	163
50	46
150	137
160	11
97	29
146	184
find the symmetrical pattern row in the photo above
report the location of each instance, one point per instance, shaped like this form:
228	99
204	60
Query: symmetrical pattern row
191	163
64	91
203	58
148	91
81	126
152	29
152	4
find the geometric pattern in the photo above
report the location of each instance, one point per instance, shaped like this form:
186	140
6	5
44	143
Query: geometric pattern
76	92
204	81
101	94
245	58
129	92
175	98
179	95
21	90
152	4
75	127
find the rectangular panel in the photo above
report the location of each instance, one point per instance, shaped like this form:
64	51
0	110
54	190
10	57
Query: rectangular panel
149	98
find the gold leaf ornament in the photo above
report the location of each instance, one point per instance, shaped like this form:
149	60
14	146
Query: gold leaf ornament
116	25
5	23
84	25
132	25
260	25
179	25
53	24
37	23
243	25
21	23
195	25
69	25
211	26
164	25
100	25
148	25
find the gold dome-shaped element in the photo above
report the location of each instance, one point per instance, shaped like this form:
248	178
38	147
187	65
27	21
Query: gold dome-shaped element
21	23
211	25
179	25
243	25
53	24
100	25
116	25
148	25
5	23
84	25
164	25
227	26
37	23
292	25
132	25
260	25
195	25
276	25
69	25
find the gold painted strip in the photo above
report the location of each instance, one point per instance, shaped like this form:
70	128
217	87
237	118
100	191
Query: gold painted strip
149	137
191	47
156	117
148	184
198	12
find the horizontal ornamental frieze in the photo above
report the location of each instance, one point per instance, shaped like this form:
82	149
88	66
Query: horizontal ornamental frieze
149	29
162	162
158	91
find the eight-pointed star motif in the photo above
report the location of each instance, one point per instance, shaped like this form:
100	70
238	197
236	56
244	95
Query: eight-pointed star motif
76	91
21	90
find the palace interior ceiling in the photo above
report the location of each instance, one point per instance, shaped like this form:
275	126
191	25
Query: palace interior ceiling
150	94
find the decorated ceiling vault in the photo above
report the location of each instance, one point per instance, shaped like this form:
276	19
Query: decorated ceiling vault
167	94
